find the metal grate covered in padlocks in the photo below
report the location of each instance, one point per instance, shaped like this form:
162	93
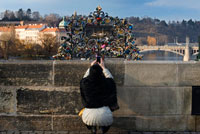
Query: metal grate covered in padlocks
97	34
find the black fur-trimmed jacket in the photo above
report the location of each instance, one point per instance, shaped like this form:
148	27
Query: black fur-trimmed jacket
96	94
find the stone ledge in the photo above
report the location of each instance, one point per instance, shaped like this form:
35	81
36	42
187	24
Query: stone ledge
154	101
74	123
25	123
70	73
8	100
26	74
48	102
150	75
87	132
189	74
133	101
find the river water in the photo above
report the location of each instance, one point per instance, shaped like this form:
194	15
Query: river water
163	55
148	55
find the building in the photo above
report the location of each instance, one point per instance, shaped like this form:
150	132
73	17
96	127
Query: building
54	31
4	30
31	33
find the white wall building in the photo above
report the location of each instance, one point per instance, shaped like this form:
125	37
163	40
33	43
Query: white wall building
31	33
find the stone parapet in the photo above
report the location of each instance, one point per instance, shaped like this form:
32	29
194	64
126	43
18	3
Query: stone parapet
44	96
126	73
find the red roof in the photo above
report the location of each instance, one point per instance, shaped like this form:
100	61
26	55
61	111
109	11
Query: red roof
35	26
50	30
8	29
21	27
30	26
5	29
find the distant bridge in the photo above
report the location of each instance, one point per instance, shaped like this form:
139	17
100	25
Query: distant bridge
194	50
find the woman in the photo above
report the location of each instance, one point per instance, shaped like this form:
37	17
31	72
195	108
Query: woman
99	97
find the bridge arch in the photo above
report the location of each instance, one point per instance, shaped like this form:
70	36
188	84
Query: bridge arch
195	53
167	50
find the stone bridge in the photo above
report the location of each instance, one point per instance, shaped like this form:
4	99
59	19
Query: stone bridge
194	50
154	96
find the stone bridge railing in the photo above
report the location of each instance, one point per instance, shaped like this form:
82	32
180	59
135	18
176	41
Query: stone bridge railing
44	95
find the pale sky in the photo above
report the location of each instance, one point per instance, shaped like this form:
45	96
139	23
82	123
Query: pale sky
161	9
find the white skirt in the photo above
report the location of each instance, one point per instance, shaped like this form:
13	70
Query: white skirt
97	116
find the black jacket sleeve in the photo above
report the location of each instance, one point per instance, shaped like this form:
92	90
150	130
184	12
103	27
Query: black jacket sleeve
112	94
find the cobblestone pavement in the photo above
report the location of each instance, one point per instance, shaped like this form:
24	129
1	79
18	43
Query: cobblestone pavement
78	132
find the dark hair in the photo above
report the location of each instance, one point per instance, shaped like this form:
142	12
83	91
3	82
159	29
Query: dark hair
96	72
96	79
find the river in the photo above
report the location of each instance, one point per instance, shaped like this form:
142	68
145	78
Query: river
163	55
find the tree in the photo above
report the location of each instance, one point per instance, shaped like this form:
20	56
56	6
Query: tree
49	43
8	16
1	15
5	16
163	23
133	20
29	51
37	49
36	16
19	48
184	23
52	19
7	39
191	23
151	41
20	14
162	40
156	21
12	16
4	49
141	41
28	14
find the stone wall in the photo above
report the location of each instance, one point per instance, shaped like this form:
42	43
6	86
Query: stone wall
44	95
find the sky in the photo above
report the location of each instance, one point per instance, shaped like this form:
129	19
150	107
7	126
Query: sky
168	10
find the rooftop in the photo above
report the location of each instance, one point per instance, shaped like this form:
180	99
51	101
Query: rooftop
5	29
53	29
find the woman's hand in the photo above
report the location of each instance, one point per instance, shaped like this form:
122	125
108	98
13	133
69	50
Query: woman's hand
93	62
102	64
